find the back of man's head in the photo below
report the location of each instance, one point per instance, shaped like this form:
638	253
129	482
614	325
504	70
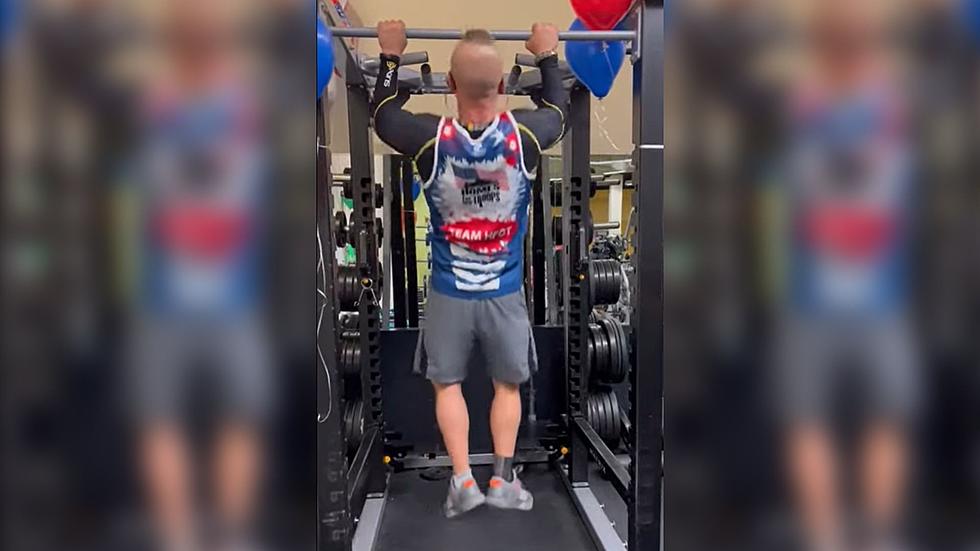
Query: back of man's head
476	68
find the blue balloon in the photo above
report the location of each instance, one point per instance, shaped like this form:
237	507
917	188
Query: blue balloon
324	56
595	63
970	16
9	19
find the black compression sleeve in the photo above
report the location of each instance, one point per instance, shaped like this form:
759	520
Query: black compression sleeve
406	132
546	124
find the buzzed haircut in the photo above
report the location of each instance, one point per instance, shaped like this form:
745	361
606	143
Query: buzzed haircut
478	36
480	80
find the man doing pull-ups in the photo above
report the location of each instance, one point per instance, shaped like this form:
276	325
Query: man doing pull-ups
476	171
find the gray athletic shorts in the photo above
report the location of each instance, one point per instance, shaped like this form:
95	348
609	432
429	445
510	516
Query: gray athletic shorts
225	363
821	365
453	325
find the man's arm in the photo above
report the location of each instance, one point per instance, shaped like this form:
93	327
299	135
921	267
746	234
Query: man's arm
546	124
405	132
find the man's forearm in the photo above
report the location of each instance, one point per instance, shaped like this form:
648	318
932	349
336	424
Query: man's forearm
386	87
552	91
404	131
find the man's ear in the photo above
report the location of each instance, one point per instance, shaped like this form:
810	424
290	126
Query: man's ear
500	87
451	82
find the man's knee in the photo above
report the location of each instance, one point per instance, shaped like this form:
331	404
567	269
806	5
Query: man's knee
452	388
502	387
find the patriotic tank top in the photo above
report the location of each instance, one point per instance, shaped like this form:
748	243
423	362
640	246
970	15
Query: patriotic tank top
478	198
851	199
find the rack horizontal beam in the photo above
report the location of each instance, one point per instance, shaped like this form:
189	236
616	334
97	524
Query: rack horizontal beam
449	34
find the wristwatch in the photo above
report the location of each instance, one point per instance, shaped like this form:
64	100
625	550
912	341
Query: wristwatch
544	55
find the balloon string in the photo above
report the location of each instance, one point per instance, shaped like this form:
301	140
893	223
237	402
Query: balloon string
601	121
605	53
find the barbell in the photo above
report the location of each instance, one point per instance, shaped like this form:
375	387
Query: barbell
449	34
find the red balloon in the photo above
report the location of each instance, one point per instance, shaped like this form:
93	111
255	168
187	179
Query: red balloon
601	15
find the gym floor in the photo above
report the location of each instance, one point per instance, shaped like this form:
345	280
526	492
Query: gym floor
413	518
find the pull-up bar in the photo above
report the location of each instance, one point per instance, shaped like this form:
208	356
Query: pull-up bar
445	34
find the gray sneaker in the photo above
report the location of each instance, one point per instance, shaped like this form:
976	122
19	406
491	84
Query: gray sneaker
509	495
463	499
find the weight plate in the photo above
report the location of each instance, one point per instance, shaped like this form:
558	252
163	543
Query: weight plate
598	282
612	416
606	433
344	363
607	373
345	357
624	351
594	419
348	425
602	353
614	281
617	282
607	288
353	365
591	346
597	421
602	408
340	228
615	360
345	293
595	283
596	363
614	419
617	371
588	409
610	352
352	352
354	440
359	422
592	283
354	423
612	291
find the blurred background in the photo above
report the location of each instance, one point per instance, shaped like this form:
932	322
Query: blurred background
822	259
822	250
157	214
